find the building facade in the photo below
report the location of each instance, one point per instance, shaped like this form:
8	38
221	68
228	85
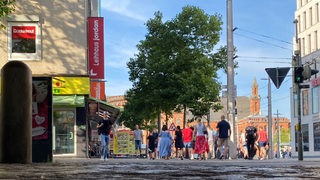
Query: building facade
61	41
308	44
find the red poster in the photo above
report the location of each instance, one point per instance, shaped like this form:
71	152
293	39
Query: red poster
23	32
95	48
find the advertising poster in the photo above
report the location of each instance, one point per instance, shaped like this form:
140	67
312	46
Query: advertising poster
23	39
40	109
124	142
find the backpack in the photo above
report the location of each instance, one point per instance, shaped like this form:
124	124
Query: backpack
250	132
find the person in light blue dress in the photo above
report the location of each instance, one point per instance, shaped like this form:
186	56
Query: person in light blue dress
165	143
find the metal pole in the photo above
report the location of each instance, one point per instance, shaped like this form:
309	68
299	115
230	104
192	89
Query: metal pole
230	73
297	87
278	136
270	136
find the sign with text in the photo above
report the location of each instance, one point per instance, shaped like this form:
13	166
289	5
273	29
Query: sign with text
95	48
70	85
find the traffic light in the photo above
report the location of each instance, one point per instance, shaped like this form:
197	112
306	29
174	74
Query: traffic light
298	77
303	73
308	72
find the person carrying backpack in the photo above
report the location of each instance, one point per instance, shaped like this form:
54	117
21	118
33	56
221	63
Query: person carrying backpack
251	137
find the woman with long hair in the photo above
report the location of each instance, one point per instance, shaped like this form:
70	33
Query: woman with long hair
200	145
165	143
179	143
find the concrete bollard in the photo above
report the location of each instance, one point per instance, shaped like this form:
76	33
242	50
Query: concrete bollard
16	113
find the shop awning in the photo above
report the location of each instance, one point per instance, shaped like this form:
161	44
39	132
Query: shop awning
72	100
104	106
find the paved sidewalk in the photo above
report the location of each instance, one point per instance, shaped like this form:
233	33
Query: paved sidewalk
78	168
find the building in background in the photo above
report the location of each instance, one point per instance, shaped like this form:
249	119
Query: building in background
62	43
260	120
308	33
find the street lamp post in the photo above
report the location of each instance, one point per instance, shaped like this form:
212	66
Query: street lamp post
278	135
230	73
270	123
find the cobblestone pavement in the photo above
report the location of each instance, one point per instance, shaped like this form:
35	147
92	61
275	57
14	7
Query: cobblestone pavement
69	168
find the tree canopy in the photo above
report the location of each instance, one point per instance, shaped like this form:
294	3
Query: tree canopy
6	8
176	67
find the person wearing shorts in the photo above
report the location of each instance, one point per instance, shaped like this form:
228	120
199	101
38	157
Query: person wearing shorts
137	140
224	131
187	141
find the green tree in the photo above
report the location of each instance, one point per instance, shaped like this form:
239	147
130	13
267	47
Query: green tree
176	66
6	8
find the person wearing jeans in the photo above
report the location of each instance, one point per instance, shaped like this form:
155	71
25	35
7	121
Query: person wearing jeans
104	128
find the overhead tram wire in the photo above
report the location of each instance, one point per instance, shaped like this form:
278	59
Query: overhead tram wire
259	61
265	36
265	42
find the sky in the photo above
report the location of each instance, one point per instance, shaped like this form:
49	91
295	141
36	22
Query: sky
263	39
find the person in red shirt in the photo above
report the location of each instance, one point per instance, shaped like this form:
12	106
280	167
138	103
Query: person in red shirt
187	141
262	139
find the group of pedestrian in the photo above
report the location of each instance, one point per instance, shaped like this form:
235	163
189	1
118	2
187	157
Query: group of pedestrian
193	142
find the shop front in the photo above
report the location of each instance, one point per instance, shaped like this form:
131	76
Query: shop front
69	115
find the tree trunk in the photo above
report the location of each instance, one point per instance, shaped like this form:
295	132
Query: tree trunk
184	116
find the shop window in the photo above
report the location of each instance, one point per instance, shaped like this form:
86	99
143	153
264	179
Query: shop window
305	136
315	100
295	105
305	102
316	136
24	41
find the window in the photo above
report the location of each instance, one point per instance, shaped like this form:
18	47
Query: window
315	41
309	48
310	17
315	100
24	41
299	24
305	105
303	47
304	20
317	12
316	136
305	136
295	101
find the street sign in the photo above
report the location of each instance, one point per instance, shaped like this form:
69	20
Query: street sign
277	75
172	127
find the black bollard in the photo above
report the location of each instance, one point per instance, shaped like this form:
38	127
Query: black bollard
16	113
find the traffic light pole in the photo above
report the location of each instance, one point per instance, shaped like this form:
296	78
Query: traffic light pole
297	91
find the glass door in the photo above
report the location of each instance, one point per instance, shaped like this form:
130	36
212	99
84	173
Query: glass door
63	131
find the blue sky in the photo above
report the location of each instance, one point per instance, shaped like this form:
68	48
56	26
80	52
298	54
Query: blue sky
263	40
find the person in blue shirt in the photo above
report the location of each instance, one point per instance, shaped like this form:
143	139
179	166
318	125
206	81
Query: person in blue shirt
224	132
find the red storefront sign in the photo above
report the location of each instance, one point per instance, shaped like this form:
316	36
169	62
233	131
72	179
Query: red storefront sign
95	48
97	90
23	32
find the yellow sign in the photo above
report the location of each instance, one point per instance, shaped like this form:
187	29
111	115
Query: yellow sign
70	85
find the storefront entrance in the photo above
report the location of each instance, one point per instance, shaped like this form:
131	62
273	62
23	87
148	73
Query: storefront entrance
63	132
